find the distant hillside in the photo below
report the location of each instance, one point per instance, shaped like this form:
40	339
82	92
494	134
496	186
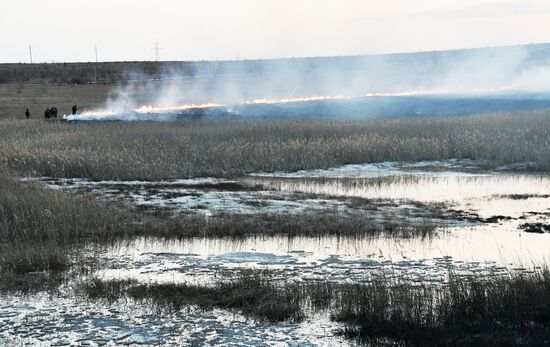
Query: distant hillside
415	65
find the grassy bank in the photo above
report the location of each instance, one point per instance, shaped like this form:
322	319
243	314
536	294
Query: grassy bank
177	150
468	311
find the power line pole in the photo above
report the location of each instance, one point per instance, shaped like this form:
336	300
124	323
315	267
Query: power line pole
157	50
30	53
95	65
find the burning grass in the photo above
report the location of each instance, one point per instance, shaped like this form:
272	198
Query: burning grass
467	311
179	150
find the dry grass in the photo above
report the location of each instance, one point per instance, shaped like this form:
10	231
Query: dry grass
32	267
37	228
15	98
468	311
251	294
176	150
30	213
295	225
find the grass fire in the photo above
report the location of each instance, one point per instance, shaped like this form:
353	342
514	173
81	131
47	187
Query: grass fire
223	194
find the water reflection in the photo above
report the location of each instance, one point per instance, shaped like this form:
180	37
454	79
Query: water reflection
486	250
451	188
483	243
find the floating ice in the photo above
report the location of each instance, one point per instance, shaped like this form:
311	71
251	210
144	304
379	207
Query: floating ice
385	169
256	257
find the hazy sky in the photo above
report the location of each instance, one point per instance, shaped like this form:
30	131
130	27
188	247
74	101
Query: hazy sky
67	30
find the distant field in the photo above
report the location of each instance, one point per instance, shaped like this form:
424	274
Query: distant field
14	99
112	72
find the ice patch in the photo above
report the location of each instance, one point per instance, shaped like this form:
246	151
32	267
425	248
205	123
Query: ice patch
76	182
60	321
254	257
452	167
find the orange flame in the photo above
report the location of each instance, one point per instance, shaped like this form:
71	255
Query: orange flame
442	91
289	100
160	109
156	109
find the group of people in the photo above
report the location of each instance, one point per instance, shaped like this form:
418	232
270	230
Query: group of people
50	112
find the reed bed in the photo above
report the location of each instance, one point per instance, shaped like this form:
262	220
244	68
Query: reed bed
192	149
466	311
251	294
308	224
31	213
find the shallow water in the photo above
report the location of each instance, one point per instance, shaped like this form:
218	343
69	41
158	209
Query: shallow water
479	216
449	188
477	250
465	196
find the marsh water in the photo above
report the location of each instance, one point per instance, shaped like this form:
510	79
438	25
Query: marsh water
487	222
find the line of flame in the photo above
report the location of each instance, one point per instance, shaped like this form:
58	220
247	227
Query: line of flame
290	100
158	109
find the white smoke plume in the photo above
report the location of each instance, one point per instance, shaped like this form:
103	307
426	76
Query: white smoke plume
225	84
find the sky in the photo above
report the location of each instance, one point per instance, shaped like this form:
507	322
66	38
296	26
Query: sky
125	30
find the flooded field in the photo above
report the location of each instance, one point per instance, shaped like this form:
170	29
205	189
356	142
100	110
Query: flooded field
489	223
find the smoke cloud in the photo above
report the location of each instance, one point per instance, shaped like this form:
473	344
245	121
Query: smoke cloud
229	84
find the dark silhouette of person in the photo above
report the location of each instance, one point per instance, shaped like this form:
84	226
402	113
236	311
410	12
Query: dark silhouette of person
53	112
74	109
27	113
47	113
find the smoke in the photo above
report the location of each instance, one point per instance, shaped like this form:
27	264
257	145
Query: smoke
218	84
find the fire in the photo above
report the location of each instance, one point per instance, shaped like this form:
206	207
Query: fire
167	109
159	109
289	100
442	91
411	93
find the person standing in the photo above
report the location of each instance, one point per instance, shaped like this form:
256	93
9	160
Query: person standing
27	113
47	113
74	109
